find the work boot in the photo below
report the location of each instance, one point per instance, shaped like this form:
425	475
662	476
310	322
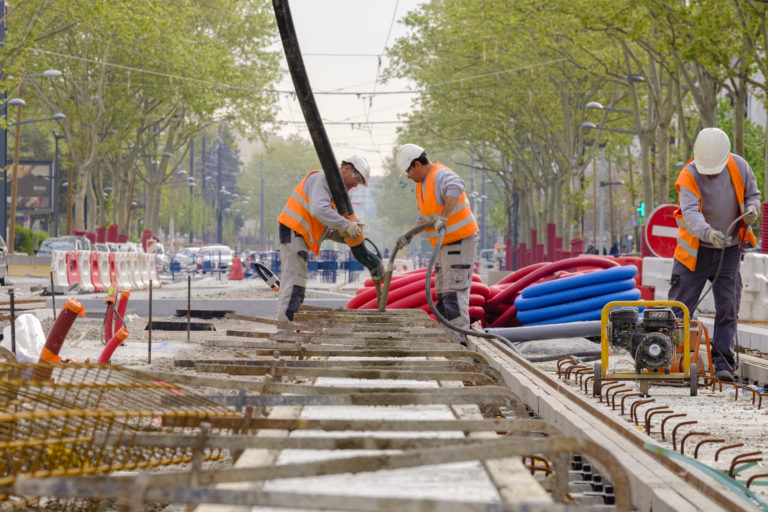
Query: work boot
724	375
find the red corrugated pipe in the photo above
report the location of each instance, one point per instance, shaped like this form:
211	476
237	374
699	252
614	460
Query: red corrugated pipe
115	342
50	352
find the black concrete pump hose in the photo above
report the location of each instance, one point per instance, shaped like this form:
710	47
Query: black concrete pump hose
728	231
368	259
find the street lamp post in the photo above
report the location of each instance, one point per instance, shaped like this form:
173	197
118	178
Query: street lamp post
191	181
219	213
15	179
18	103
261	206
55	184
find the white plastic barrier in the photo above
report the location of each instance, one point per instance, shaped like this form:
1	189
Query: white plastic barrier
123	271
145	263
754	294
754	277
133	264
141	276
153	275
84	260
59	269
104	269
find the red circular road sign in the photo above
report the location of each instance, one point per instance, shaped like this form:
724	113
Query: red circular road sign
661	231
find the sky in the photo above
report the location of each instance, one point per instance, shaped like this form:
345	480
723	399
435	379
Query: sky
343	43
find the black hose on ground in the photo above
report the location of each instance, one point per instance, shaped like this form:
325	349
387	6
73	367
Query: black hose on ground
586	356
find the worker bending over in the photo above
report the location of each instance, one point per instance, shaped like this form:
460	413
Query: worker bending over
308	218
709	201
441	199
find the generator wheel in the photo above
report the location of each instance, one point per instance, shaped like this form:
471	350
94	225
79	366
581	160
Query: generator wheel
694	378
596	382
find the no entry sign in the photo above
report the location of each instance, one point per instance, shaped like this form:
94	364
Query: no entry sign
661	231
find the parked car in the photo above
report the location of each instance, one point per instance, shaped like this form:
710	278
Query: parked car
64	243
129	247
161	257
214	257
186	257
101	247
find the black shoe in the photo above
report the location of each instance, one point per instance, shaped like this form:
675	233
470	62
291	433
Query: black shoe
724	375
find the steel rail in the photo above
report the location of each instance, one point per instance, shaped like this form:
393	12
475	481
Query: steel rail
659	482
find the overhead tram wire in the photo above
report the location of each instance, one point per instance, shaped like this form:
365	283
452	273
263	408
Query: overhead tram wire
291	92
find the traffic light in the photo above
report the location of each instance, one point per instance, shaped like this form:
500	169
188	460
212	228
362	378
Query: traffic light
641	213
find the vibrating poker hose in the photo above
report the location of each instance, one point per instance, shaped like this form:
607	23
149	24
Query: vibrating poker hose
304	94
387	281
439	315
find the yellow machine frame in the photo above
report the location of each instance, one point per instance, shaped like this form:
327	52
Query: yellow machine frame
644	377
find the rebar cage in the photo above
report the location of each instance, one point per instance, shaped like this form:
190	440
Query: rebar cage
49	414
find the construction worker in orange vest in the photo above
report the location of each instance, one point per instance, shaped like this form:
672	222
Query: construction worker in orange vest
308	218
441	199
709	201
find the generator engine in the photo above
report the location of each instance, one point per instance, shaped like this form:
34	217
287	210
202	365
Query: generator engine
651	342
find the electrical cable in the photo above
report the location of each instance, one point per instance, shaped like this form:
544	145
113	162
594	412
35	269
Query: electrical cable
730	228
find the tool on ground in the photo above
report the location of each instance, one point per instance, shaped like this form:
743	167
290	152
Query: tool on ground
382	297
652	340
267	275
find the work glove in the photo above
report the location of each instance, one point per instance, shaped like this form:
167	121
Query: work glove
335	236
716	238
404	240
353	230
440	224
751	214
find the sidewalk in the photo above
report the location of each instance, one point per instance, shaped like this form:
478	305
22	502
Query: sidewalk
750	335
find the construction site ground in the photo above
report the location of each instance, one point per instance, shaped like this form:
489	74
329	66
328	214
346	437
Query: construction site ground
728	413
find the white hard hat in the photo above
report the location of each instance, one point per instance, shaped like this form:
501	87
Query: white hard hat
406	154
361	165
711	150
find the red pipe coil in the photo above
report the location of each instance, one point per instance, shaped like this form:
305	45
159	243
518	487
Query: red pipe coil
548	269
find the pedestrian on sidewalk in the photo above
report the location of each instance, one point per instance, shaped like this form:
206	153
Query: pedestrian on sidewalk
709	201
308	218
441	199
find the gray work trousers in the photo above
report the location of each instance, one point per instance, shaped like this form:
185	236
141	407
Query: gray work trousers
294	256
686	287
453	279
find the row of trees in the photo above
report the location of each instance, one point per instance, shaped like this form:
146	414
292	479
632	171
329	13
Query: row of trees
140	82
511	83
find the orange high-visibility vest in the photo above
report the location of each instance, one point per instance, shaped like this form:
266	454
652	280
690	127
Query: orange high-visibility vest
461	223
296	216
687	248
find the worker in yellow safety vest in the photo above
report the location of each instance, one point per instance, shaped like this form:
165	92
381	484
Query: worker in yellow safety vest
441	199
709	200
308	218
